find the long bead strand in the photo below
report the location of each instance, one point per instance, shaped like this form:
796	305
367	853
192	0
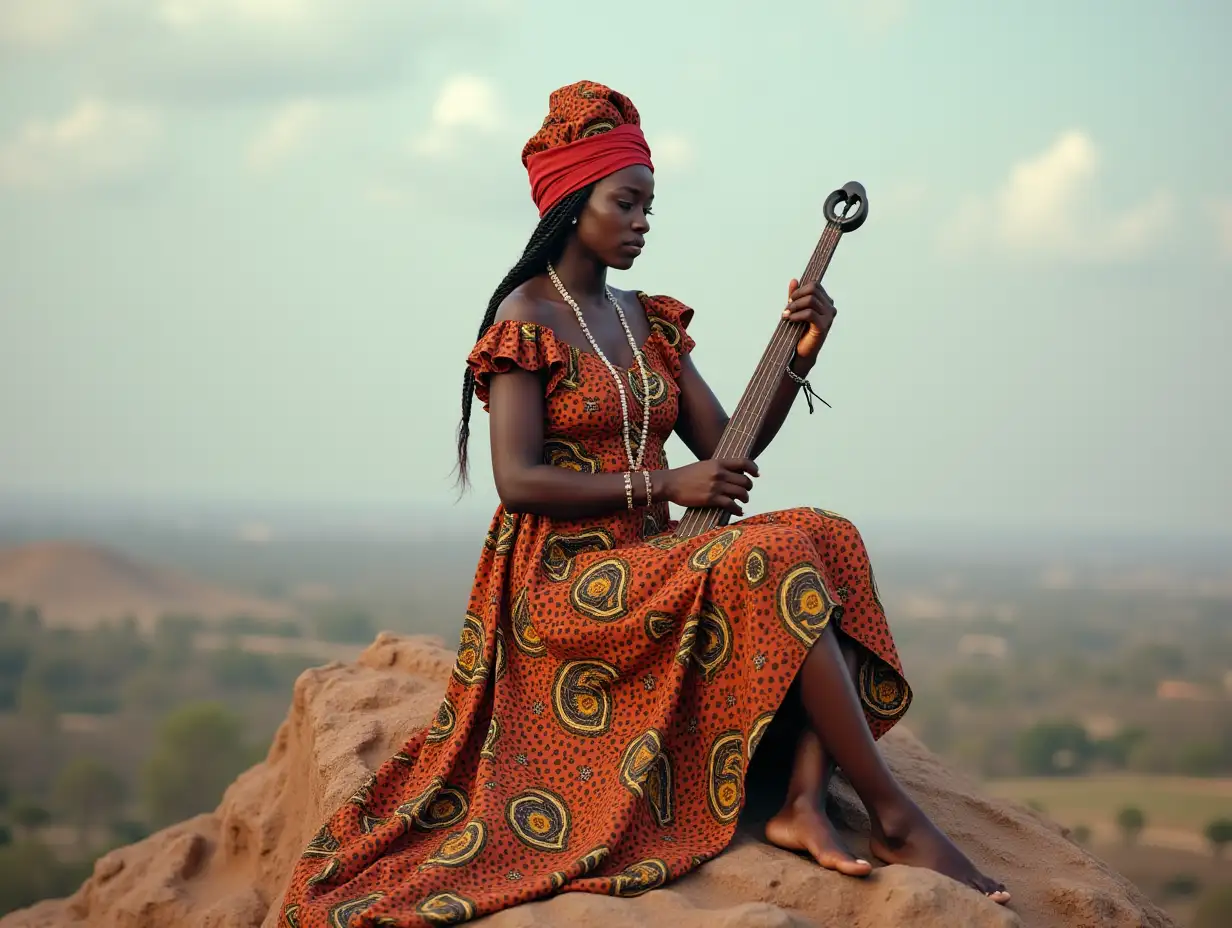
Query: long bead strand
634	463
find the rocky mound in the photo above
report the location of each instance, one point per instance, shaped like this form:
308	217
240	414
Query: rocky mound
227	869
79	584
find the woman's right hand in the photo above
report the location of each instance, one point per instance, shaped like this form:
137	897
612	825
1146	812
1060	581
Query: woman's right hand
719	482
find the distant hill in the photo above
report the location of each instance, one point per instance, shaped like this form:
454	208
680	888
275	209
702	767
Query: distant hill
78	584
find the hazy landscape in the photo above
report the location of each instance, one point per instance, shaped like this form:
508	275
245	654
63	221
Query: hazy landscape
246	248
146	659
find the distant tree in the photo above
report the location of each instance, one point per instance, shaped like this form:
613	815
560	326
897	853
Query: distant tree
1181	885
344	624
28	874
236	669
14	658
6	835
1115	751
1053	749
200	751
29	816
35	702
1150	663
174	640
1215	909
1200	760
250	625
1153	755
1081	834
128	831
89	794
1219	834
1131	820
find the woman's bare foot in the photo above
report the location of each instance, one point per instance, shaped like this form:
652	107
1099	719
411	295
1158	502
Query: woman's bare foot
905	835
802	825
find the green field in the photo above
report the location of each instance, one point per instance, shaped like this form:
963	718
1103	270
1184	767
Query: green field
1179	803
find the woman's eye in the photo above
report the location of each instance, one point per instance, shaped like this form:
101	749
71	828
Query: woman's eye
624	204
648	211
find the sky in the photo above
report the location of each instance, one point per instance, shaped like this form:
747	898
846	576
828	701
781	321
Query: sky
245	245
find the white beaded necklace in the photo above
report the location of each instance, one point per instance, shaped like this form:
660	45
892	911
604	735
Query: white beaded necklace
634	463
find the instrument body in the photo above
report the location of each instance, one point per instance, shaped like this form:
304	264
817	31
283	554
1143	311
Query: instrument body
746	422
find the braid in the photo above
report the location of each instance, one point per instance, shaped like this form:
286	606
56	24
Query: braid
546	244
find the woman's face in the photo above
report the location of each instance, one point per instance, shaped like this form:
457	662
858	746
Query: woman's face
614	222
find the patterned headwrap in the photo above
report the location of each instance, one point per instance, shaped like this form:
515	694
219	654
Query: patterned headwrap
590	131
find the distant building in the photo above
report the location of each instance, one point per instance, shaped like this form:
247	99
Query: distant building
1181	689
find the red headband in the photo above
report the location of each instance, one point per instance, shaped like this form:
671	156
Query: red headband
558	172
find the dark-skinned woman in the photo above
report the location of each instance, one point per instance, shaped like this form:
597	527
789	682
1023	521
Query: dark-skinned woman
613	681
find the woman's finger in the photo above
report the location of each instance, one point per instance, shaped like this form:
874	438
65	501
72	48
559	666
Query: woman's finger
734	471
801	315
735	491
739	465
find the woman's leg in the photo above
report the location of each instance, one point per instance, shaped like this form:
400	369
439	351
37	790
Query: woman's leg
802	824
901	832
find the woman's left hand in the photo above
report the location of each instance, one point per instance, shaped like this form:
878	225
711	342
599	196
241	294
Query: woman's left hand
813	305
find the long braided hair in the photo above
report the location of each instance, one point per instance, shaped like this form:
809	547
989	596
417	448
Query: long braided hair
546	243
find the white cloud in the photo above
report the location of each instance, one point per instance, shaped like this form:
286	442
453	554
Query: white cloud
1221	214
1044	208
671	151
464	160
284	134
1033	205
466	106
220	51
94	143
38	24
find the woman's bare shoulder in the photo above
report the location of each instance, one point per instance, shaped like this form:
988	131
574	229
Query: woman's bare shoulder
523	305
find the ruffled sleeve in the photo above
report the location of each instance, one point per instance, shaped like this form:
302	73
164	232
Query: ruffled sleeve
510	344
669	321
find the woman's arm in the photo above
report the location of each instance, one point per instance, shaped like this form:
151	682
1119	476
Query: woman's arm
526	484
702	418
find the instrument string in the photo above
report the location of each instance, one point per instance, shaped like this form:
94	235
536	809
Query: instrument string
738	436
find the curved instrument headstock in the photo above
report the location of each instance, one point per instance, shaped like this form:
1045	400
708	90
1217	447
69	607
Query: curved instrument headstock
855	206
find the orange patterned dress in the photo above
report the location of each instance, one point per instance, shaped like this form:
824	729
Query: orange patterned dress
612	681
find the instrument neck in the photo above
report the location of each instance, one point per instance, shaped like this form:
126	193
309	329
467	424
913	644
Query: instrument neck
749	417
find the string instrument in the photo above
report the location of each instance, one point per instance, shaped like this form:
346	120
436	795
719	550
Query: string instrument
746	422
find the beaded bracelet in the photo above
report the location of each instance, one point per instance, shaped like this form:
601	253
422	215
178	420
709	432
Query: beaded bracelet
809	393
646	475
629	489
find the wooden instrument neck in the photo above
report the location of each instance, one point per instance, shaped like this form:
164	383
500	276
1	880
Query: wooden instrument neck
749	416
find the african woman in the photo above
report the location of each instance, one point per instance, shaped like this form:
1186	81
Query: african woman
613	681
